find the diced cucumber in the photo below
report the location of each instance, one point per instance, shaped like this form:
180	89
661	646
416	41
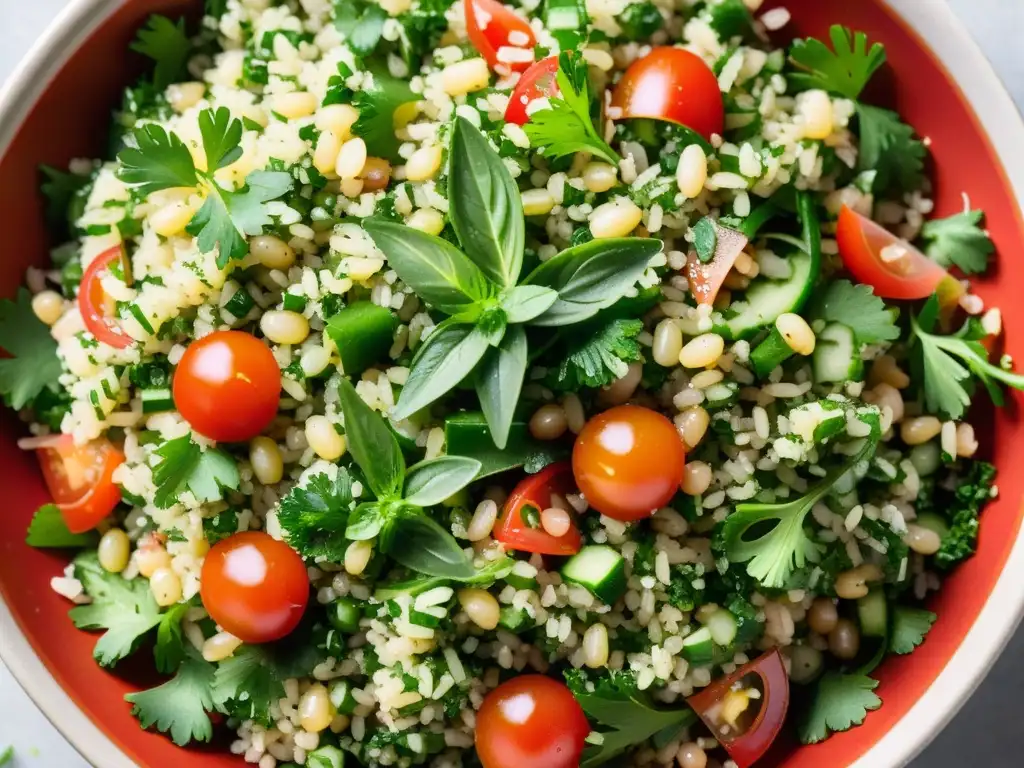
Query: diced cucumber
341	697
467	434
514	619
600	569
363	333
325	757
873	614
523	576
699	647
157	399
724	394
344	615
567	21
722	626
770	354
766	299
837	355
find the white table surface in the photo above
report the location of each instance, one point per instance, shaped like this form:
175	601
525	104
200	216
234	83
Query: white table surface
991	715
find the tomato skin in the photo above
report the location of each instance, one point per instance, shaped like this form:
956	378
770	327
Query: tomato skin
91	299
628	462
674	85
489	25
227	386
80	479
747	748
706	279
537	82
512	531
254	586
531	721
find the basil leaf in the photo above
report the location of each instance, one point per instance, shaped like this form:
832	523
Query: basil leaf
372	444
366	521
421	544
499	380
431	482
447	356
486	209
435	269
591	277
488	574
525	302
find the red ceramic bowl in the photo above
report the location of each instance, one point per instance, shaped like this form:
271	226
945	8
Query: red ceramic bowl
57	108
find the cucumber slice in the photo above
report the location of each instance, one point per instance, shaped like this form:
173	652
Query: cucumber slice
157	399
514	619
837	356
341	697
699	648
765	300
600	569
722	626
873	614
725	394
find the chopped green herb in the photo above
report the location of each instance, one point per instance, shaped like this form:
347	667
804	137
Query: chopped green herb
705	239
844	70
839	703
959	241
33	364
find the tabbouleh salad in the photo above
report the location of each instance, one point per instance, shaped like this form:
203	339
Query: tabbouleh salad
541	384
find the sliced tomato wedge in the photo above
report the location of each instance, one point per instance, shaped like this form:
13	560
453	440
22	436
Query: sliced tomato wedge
93	301
492	26
890	265
80	478
747	745
537	82
535	491
706	279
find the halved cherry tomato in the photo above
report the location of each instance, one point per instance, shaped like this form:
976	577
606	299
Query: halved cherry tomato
905	274
535	491
706	279
675	85
227	386
628	462
746	747
492	26
531	721
254	586
537	82
79	477
92	301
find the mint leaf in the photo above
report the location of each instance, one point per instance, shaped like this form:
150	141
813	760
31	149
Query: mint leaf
33	364
959	241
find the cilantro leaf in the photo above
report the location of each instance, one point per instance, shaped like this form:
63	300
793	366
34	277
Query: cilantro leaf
222	135
33	364
179	707
48	530
247	683
361	24
59	188
214	473
125	608
845	70
565	127
909	626
313	516
888	148
156	160
185	466
166	43
857	307
839	703
730	18
171	645
597	355
958	241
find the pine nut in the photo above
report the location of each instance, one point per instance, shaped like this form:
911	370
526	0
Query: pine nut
482	522
537	202
324	439
548	422
272	252
376	174
816	109
338	119
465	77
182	96
575	416
692	425
351	159
702	351
48	306
615	219
325	156
966	443
706	379
315	709
692	171
697	478
920	429
621	390
221	646
887	396
427	220
114	550
283	326
886	371
424	163
150	558
600	177
314	361
691	755
555	521
595	646
357	557
823	615
171	219
853	584
165	586
480	606
265	457
351	188
295	105
922	540
796	333
668	343
844	640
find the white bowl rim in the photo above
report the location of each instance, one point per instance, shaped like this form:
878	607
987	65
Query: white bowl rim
954	47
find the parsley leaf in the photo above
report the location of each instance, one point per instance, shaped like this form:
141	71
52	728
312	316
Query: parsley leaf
888	148
313	517
33	364
221	138
909	626
597	355
179	707
962	510
857	307
185	466
166	43
844	70
125	608
171	647
247	683
377	102
156	160
361	24
840	702
565	127
59	188
49	531
958	240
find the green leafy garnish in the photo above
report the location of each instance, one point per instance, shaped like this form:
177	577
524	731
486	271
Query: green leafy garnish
361	24
185	466
889	150
960	241
844	70
158	160
857	307
909	626
839	703
171	647
180	706
33	364
566	128
597	355
705	239
60	189
972	492
247	684
313	516
49	531
167	44
7	756
377	101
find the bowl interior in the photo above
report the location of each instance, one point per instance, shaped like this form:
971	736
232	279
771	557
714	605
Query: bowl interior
70	120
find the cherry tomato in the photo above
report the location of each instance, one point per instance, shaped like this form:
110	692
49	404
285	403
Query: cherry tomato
93	301
907	274
492	26
628	462
752	742
531	721
79	477
536	83
254	586
535	491
227	386
674	85
706	279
